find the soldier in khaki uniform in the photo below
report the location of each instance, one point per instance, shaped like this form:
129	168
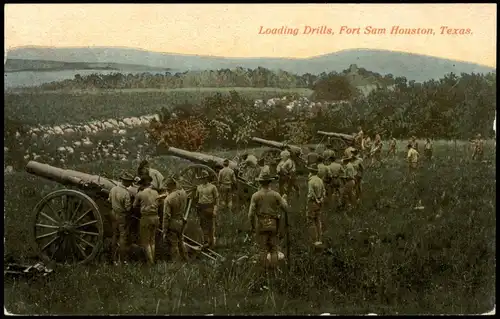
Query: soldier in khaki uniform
121	203
156	176
428	149
376	151
348	151
412	158
312	156
414	143
264	215
325	175
263	167
358	138
207	200
358	166
336	171
392	148
366	146
249	167
174	208
315	199
349	185
286	171
227	183
147	200
478	148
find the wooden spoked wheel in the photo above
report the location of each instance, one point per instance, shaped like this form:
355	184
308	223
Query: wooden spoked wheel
67	228
190	177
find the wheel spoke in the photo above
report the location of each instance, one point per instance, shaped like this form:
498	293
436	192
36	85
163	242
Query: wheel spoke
56	213
87	233
47	226
50	243
65	206
87	223
84	241
57	248
49	218
84	214
46	235
75	210
80	249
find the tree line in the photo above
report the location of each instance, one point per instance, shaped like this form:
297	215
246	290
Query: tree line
453	107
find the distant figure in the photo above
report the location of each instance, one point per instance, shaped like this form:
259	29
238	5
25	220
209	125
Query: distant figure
263	167
174	208
376	151
412	158
286	171
207	200
358	138
414	143
358	178
336	172
428	149
312	156
348	190
366	146
156	176
392	148
478	148
315	199
227	185
249	167
348	151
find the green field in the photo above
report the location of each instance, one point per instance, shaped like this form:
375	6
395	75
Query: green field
384	258
82	106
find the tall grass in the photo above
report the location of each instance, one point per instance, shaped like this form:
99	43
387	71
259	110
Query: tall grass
384	258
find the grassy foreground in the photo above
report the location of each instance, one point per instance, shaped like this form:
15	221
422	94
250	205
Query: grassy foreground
386	258
52	107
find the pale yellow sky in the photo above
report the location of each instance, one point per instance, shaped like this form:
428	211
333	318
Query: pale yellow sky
231	30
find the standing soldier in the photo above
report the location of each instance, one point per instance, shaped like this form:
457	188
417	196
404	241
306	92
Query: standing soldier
478	148
207	199
428	149
412	158
348	151
121	203
392	148
349	185
366	146
414	142
358	139
312	156
336	172
227	183
286	171
265	207
326	177
358	178
156	176
174	208
376	151
147	200
249	167
263	167
315	199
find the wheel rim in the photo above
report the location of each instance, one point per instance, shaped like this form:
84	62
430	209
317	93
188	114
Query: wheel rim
189	179
67	227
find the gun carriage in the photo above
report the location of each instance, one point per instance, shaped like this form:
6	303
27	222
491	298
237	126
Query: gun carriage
338	141
188	178
70	225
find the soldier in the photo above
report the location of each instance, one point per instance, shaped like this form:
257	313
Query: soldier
478	148
428	149
174	208
207	200
147	200
249	167
358	138
263	167
325	175
156	176
376	151
265	206
227	183
392	148
121	204
366	146
315	200
414	142
412	158
348	151
286	171
312	156
336	172
358	166
349	184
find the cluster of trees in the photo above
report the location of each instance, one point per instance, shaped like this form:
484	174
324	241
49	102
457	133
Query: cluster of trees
239	77
453	107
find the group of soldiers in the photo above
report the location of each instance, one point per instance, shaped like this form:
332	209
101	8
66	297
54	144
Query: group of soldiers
331	181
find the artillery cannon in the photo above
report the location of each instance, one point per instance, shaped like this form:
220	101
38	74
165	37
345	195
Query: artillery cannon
188	178
70	225
338	141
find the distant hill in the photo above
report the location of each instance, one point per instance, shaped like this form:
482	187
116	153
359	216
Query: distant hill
412	66
20	65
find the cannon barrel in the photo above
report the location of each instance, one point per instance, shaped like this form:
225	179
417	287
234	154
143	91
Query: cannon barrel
201	158
280	145
337	135
67	176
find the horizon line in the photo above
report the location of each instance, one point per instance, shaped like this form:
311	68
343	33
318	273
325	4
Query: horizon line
243	58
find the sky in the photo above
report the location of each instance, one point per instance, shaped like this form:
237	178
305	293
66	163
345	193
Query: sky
232	30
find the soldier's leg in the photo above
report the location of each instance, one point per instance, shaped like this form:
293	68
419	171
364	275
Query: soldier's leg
319	227
204	224
172	244
281	185
261	239
181	247
123	240
115	238
272	248
144	236
230	200
211	230
152	239
223	198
